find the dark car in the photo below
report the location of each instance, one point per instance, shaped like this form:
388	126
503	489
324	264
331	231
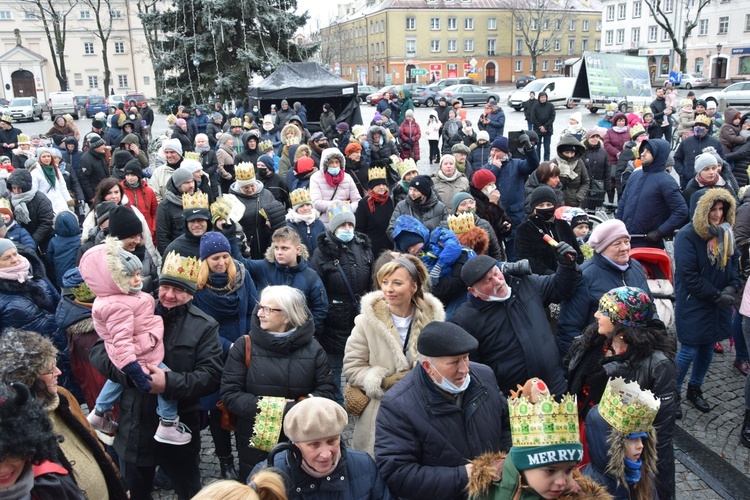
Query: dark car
95	104
425	96
375	97
523	80
363	91
467	94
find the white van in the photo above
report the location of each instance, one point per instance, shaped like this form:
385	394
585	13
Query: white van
559	92
61	103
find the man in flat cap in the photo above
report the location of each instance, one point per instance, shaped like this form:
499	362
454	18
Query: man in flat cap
441	415
507	316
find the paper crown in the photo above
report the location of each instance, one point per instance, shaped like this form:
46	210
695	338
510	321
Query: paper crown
545	423
220	209
235	122
7	119
703	120
192	155
376	173
686	102
196	200
406	166
461	223
265	145
244	171
268	422
338	208
83	293
300	197
23	139
647	111
637	109
636	130
181	268
5	205
627	407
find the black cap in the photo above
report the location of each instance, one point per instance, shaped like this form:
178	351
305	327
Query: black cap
475	269
439	338
196	213
102	211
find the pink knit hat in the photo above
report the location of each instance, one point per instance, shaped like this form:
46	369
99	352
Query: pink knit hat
606	233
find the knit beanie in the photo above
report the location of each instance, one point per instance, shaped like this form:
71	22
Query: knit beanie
265	160
191	166
338	214
458	198
213	242
97	124
181	176
5	245
482	177
130	139
606	233
342	127
123	223
315	418
627	305
180	122
386	113
536	457
216	116
406	240
352	147
130	263
121	158
501	143
134	167
541	194
483	135
55	153
304	164
704	160
95	141
102	211
575	217
423	184
173	144
224	138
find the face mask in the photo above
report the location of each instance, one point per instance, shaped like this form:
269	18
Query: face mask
136	289
334	171
255	110
405	185
132	117
700	131
488	189
449	386
493	298
345	235
546	214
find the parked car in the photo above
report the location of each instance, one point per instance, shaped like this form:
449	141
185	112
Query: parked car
363	91
4	106
411	87
737	94
694	81
425	96
375	97
448	82
114	101
96	104
524	80
467	94
559	92
25	108
61	103
138	97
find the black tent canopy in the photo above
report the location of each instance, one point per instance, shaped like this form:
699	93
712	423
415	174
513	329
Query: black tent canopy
310	84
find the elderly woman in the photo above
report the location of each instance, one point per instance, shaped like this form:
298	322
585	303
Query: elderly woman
383	345
29	358
625	342
286	365
48	179
331	184
447	181
317	453
610	267
374	211
61	127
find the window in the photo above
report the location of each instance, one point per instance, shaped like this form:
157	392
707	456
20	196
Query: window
545	44
744	68
491	23
635	35
621	10
620	37
6	15
411	46
519	66
597	45
491	46
534	25
610	12
598	25
668	5
653	33
382	25
585	25
469	45
558	66
411	23
434	45
435	23
723	25
558	24
382	47
84	14
519	23
703	27
469	23
115	13
557	45
609	37
88	48
93	82
519	46
636	10
119	47
452	45
571	46
545	65
747	22
664	36
452	23
78	79
584	45
122	81
572	25
30	15
146	80
699	65
545	24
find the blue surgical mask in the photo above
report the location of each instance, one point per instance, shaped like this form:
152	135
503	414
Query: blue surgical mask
134	290
334	171
449	386
345	235
700	131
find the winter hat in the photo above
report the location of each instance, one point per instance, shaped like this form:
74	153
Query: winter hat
216	116
358	130
173	144
97	124
475	269
180	122
482	177
700	102
5	245
409	113
212	243
95	141
606	233
265	160
317	136
423	184
407	166
304	165
338	214
284	101
73	280
130	263
541	194
483	135
386	113
315	418
352	147
460	148
134	167
406	240
124	223
21	178
576	115
704	160
121	158
342	127
575	216
598	131
130	139
501	143
627	305
191	166
103	211
377	117
55	153
711	105
440	338
181	176
34	350
224	138
458	198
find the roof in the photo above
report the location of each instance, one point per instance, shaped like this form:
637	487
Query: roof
308	79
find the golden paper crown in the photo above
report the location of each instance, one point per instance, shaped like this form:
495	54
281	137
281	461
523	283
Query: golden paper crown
265	145
544	423
461	223
268	422
636	129
647	111
627	407
197	200
192	155
220	209
5	204
637	109
300	197
23	139
376	173
182	268
7	119
235	122
406	166
244	171
703	119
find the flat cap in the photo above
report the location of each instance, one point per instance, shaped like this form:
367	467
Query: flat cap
440	338
475	269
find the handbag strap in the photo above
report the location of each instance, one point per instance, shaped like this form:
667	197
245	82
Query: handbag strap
248	350
346	281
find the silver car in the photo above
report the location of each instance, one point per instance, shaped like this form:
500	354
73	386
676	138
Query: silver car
25	108
737	95
694	81
467	94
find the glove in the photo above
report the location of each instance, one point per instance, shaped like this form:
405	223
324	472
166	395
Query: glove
565	254
449	255
518	268
654	236
435	273
391	380
729	290
524	141
724	300
136	374
228	229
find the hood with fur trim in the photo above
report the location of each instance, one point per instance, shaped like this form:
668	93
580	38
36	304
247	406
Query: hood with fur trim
372	130
300	151
102	269
291	128
703	207
329	153
304	254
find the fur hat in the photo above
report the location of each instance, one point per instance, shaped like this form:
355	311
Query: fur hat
606	233
315	418
475	238
482	178
627	305
24	356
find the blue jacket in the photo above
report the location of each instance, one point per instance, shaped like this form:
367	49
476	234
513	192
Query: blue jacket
201	120
684	156
496	126
651	199
598	277
510	181
18	234
423	441
63	247
308	234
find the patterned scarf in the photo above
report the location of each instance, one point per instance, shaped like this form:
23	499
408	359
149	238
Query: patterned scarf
376	199
721	246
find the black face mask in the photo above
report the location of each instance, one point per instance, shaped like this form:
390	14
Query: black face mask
546	214
262	172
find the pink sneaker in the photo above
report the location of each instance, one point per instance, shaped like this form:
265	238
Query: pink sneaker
173	432
104	423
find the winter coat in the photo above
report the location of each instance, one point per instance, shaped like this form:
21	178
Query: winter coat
274	184
41	218
355	259
527	106
375	224
71	158
409	133
323	194
20	156
424	439
530	245
160	177
574	189
543	115
248	154
182	136
254	223
446	188
451	135
432	213
493	213
689	148
510	181
478	157
92	169
210	168
597	164
170	222
698	282
20	236
201	120
226	157
359	174
126	322
63	247
514	336
496	126
652	200
740	158
380	153
374	351
729	134
291	366
212	131
308	234
693	191
58	194
143	199
9	136
615	141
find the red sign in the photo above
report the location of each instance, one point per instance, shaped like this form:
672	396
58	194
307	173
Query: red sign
436	67
467	66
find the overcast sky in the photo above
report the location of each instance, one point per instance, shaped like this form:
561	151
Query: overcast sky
320	10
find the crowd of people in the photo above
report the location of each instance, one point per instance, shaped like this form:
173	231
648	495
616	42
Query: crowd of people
245	275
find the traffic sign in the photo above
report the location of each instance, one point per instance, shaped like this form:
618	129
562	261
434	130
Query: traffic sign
473	62
418	72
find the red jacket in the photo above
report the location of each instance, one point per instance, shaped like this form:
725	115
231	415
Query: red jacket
142	198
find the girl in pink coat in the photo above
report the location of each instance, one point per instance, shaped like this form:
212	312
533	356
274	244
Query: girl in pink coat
133	335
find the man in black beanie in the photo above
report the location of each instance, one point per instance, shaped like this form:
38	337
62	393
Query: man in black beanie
440	416
422	203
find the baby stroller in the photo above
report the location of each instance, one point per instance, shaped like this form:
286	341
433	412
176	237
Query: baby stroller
658	267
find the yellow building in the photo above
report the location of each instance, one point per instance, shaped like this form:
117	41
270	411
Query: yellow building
419	41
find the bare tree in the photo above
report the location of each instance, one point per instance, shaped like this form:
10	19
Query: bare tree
540	23
331	40
54	15
149	16
669	14
103	17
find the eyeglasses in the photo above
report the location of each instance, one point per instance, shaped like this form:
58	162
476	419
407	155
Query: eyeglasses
268	310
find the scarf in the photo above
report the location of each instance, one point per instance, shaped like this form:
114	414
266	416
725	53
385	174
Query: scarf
461	167
567	169
446	178
623	267
173	198
296	217
19	272
319	475
227	304
376	199
49	174
334	181
202	149
721	246
704	183
20	210
620	130
632	471
23	486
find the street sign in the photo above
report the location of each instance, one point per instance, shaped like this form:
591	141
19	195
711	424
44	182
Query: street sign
418	72
473	62
467	66
473	75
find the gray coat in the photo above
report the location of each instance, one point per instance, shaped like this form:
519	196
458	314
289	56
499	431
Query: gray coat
432	213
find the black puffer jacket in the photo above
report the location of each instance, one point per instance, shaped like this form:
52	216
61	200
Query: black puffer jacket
41	215
254	224
740	158
355	259
380	154
92	169
596	160
543	115
170	223
530	245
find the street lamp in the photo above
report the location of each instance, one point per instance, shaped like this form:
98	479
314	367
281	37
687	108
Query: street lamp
718	60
